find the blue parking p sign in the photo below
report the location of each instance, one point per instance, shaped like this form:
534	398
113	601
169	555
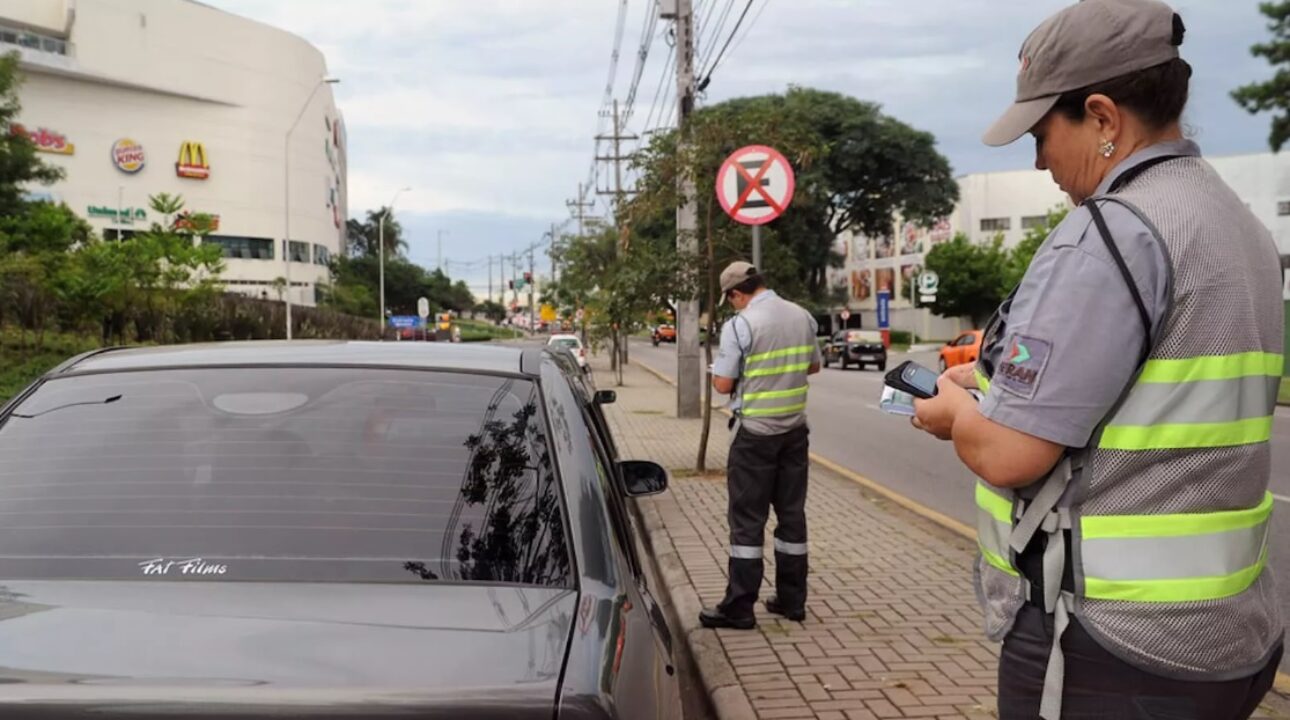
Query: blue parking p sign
884	309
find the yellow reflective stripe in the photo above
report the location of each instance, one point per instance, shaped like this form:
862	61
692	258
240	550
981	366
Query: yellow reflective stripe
1131	526
1187	436
982	382
1212	367
997	562
765	412
787	352
999	508
781	370
775	394
1180	590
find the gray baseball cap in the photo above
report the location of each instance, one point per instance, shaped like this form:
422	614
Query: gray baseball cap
735	273
1087	43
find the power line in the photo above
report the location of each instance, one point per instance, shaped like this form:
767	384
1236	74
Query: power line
708	41
748	30
642	56
707	73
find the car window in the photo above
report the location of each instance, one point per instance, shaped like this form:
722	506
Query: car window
869	336
301	474
965	340
566	343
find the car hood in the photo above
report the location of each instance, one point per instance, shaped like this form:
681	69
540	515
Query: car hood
145	649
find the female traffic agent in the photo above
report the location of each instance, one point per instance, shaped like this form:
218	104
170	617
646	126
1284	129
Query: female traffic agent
1123	439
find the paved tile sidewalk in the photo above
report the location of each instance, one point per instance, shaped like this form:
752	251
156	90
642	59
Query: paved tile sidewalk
892	629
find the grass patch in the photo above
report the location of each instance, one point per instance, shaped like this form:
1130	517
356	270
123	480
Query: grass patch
480	331
1283	396
22	360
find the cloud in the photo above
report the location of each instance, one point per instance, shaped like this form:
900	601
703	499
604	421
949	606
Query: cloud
488	108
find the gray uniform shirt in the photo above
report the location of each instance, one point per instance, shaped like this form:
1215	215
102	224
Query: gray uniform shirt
736	339
1072	336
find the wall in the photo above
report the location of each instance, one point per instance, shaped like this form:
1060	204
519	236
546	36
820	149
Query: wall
163	72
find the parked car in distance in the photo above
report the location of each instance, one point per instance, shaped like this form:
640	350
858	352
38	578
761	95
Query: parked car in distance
856	347
965	348
573	344
663	334
337	530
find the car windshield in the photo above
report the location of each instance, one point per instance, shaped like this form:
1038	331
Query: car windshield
291	474
864	336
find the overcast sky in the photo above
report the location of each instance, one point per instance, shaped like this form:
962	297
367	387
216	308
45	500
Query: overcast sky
488	108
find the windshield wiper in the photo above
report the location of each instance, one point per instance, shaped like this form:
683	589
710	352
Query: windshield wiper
105	401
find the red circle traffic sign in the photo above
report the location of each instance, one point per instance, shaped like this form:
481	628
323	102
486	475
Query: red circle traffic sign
755	185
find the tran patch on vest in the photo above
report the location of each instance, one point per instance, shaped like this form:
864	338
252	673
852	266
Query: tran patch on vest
1024	360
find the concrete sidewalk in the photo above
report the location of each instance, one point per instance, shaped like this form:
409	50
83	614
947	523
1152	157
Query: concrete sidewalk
892	628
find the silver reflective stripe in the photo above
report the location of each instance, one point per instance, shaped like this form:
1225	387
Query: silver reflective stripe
1164	558
993	535
789	548
745	552
1205	401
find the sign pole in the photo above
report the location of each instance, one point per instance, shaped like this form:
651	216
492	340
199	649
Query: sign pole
757	247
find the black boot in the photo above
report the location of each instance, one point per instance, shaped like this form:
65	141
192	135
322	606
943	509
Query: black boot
714	618
794	614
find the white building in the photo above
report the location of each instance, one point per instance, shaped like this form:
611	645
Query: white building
1010	203
149	96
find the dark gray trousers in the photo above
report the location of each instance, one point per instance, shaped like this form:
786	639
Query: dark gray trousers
765	471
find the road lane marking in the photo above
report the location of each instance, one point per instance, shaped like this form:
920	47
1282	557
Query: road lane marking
1282	498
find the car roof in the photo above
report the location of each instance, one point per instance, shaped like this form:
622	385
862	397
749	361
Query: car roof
418	355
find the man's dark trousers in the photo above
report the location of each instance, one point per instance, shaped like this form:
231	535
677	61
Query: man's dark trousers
766	470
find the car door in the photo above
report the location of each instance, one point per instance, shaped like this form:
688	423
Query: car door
954	356
971	347
629	539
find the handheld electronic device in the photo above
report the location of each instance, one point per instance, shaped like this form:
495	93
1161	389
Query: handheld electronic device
914	379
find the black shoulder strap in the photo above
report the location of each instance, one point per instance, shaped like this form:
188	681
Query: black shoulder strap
1125	178
1124	271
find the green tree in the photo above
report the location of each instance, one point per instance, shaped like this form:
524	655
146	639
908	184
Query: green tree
19	164
364	236
972	277
856	169
492	310
35	245
1019	257
1272	95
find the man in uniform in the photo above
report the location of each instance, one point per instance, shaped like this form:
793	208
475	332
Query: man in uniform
767	352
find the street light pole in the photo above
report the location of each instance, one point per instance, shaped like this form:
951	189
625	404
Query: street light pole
380	253
286	189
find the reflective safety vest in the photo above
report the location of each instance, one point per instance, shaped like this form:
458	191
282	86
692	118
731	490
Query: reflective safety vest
773	381
1167	509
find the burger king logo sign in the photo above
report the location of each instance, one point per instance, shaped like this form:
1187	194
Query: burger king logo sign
127	155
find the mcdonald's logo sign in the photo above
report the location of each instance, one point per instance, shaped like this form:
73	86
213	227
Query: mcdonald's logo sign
193	162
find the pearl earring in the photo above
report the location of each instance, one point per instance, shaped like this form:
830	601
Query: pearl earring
1107	148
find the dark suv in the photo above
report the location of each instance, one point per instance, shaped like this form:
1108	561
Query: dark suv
324	529
856	347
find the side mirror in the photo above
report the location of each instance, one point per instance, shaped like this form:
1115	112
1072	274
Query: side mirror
606	397
642	478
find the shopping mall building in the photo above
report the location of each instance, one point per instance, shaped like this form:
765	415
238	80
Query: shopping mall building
1008	204
171	96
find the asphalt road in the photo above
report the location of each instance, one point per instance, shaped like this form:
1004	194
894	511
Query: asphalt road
848	428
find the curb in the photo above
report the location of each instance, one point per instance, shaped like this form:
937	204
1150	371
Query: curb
720	682
1280	685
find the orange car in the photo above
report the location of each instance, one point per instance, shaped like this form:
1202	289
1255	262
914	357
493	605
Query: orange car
663	334
965	348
